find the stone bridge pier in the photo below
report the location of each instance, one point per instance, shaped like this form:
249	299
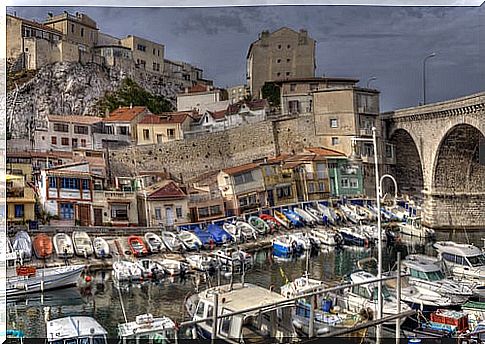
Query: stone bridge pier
438	157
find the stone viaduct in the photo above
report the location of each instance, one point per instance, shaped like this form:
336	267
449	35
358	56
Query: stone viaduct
438	155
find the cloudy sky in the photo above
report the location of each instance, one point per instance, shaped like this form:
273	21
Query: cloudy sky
352	41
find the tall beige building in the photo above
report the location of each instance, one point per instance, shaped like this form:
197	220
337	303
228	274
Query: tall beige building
78	28
279	55
147	55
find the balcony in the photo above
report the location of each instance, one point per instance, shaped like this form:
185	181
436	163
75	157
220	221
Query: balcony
15	192
365	132
118	194
316	175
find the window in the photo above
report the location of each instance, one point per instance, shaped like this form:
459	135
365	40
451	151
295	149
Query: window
66	211
209	315
283	192
158	213
65	141
85	184
288	60
389	150
178	212
278	74
243	178
311	187
81	129
203	212
123	131
54	140
449	257
141	47
278	61
279	46
333	123
119	212
61	127
72	28
292	87
82	32
335	141
288	46
344	182
70	183
19	211
171	133
200	310
83	142
288	73
354	183
146	134
294	106
74	143
215	210
52	182
153	51
321	187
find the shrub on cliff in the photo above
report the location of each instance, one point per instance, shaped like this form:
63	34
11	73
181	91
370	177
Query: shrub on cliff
130	93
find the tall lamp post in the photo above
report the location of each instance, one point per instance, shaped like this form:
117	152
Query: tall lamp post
379	229
424	75
372	78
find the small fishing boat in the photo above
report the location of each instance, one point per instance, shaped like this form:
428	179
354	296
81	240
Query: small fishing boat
295	219
204	237
353	236
233	231
272	222
327	236
327	213
173	267
315	213
151	268
220	235
284	245
189	240
308	218
281	218
256	326
401	213
75	329
171	241
261	226
82	244
28	279
301	241
202	262
230	259
475	311
246	231
101	248
63	245
42	246
124	270
413	227
372	232
154	242
137	246
350	214
147	329
22	243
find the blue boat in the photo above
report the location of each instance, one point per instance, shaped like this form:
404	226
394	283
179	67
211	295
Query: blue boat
294	218
204	236
220	235
283	245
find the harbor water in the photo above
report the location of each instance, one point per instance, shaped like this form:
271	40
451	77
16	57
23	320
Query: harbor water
166	297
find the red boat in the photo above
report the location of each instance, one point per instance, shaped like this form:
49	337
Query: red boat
271	221
137	246
42	246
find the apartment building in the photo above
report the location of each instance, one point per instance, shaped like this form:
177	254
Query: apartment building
157	129
77	28
20	191
279	55
279	181
148	55
65	133
237	93
123	121
201	98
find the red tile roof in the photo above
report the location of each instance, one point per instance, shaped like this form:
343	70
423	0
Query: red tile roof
218	114
167	191
241	168
126	114
167	118
74	119
252	105
322	151
198	88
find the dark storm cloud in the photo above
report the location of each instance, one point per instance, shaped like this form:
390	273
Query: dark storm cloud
352	41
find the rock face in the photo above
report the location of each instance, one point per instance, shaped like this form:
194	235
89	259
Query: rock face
67	88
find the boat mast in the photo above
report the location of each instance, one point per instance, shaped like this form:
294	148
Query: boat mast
122	305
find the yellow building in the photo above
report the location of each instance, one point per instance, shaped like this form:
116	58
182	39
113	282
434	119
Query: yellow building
77	28
20	194
156	129
279	182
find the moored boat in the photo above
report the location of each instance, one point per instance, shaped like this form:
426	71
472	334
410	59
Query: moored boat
101	248
231	259
42	246
147	328
284	245
308	218
154	242
201	262
173	267
82	244
220	235
189	240
295	219
353	236
63	245
32	280
246	231
124	270
151	268
137	246
327	236
75	329
261	226
281	218
22	243
413	227
272	222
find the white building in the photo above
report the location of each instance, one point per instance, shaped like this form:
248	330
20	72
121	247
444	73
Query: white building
201	98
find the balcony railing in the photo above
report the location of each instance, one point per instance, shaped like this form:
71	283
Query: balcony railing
118	194
366	132
15	193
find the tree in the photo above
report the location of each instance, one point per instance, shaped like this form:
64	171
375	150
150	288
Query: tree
271	92
131	94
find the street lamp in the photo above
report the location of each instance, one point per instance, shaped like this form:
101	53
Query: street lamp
379	229
424	75
372	78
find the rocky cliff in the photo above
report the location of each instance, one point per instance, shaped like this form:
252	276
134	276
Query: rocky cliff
66	88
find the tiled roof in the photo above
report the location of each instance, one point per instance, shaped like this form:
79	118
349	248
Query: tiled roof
252	105
74	119
198	88
240	168
168	118
322	151
167	190
276	159
218	114
126	114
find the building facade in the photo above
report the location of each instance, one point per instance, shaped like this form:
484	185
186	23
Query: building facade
158	129
123	121
279	55
147	55
237	93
